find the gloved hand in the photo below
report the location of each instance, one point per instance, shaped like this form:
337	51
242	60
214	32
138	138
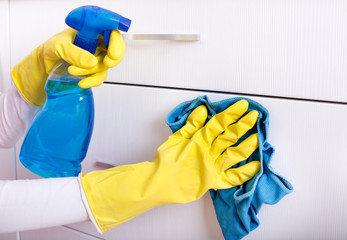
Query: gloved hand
193	160
31	73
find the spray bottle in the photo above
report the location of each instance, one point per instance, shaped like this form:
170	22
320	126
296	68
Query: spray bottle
58	140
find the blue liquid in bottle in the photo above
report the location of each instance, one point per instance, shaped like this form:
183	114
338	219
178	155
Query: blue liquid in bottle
58	140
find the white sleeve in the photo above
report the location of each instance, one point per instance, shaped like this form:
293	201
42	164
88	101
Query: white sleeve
16	116
36	203
40	203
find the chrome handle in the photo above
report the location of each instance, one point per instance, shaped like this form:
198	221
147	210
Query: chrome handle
165	37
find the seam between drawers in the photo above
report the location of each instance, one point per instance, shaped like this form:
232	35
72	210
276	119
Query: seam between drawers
228	92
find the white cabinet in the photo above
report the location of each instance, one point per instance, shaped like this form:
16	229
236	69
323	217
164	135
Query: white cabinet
273	51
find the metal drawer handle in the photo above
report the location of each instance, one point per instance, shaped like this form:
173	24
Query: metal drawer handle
170	37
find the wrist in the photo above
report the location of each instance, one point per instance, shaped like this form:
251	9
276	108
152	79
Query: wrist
29	77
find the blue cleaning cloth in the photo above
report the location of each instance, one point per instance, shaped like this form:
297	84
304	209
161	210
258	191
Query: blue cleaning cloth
237	208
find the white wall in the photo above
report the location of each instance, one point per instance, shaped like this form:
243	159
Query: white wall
288	55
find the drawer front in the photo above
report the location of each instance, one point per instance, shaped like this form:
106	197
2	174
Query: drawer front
269	47
309	139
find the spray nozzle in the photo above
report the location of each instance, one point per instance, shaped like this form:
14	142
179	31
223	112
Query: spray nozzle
92	21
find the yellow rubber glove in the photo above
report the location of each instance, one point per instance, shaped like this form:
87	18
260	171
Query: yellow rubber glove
193	160
107	58
31	73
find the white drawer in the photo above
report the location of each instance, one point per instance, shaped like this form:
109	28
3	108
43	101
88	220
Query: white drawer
309	138
268	47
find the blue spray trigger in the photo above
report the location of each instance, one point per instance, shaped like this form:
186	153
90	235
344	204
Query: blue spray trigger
107	35
92	21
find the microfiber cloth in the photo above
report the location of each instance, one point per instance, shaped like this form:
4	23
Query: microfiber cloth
237	208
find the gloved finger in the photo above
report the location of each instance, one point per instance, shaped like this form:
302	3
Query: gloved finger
195	121
77	71
234	155
221	121
66	50
105	58
75	55
238	176
99	67
234	132
94	80
116	50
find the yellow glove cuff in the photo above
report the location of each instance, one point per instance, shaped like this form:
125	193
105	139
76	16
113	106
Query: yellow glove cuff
28	76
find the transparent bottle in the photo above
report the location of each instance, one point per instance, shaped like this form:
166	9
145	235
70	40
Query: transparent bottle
58	140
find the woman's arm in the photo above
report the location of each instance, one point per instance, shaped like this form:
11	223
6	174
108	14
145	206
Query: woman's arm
40	203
